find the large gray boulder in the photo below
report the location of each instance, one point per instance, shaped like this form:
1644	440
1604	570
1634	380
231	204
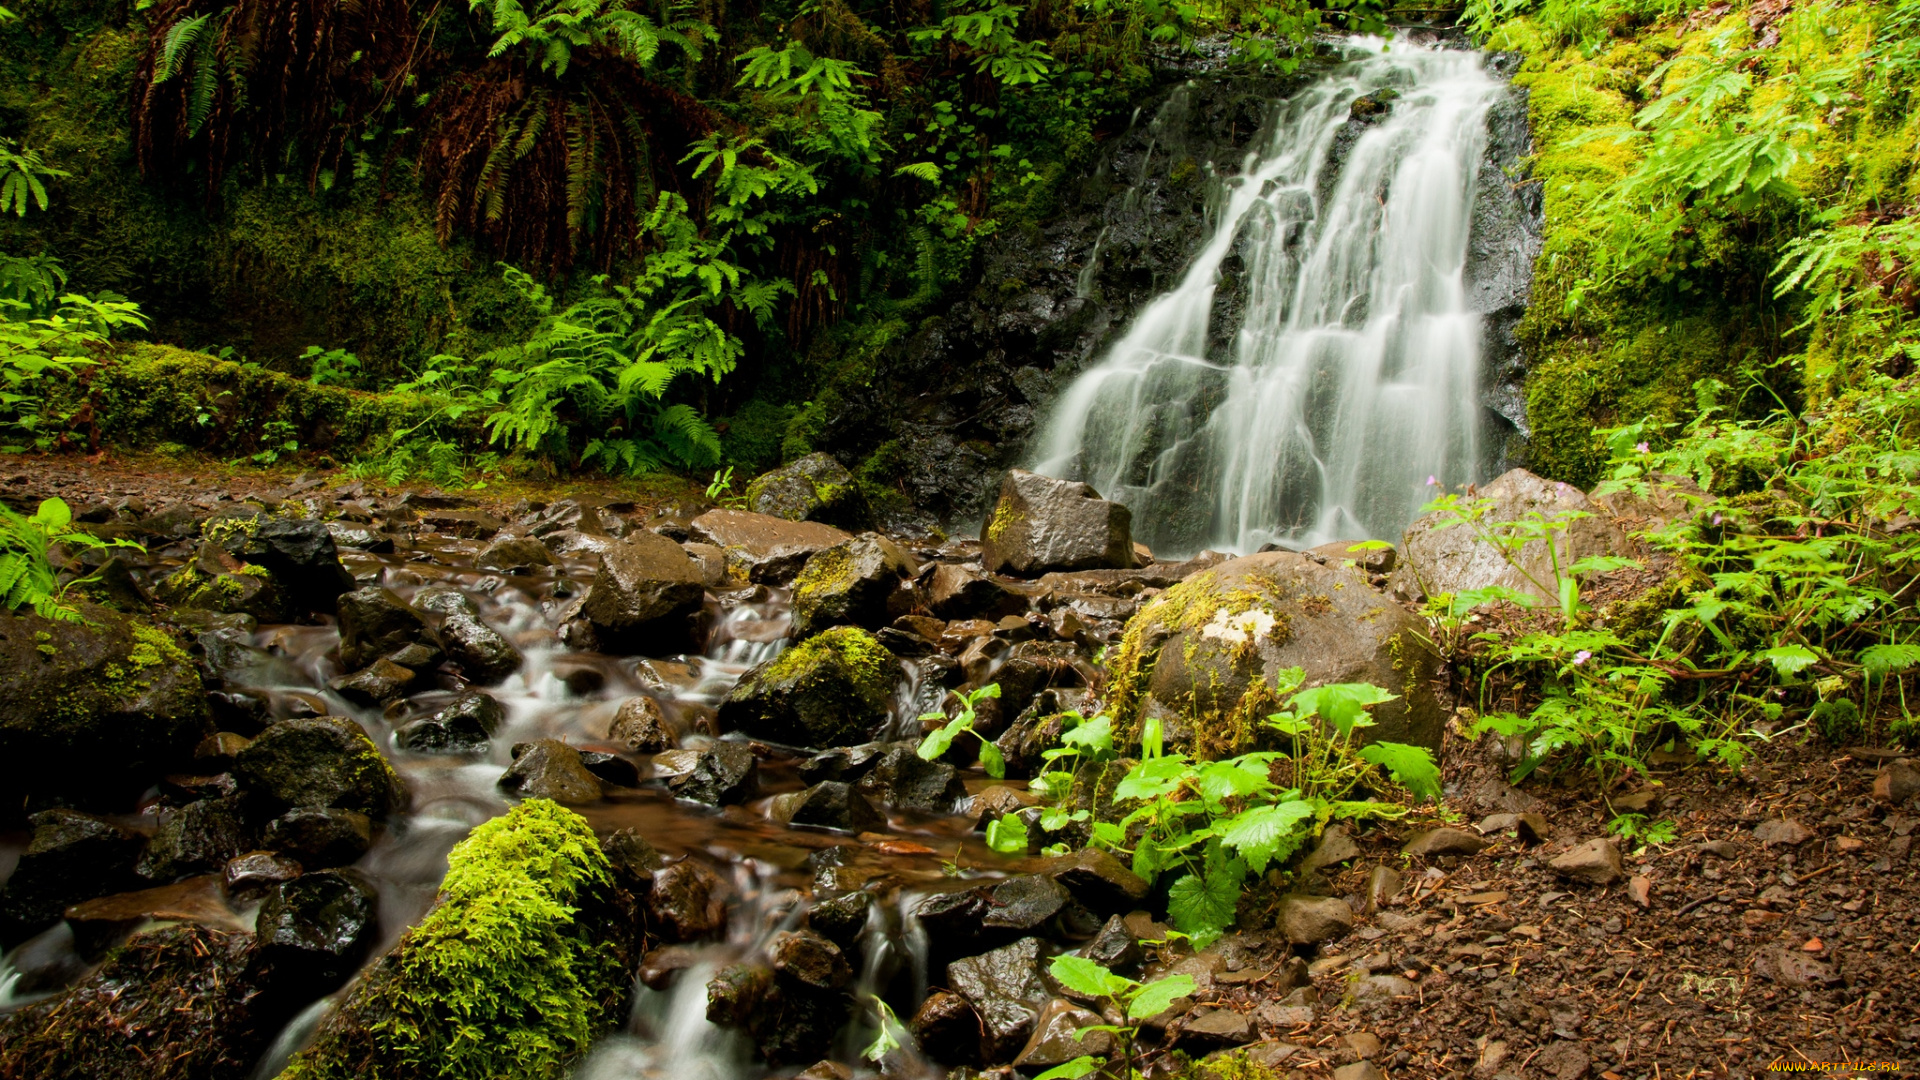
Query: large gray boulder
1203	656
1040	525
760	547
862	581
645	595
814	488
1436	558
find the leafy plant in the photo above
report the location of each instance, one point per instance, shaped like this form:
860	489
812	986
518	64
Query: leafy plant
21	176
1135	1001
1640	831
936	743
36	350
27	576
330	365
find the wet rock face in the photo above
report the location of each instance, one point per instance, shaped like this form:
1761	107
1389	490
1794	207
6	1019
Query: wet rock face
762	548
92	712
316	928
484	655
550	769
645	595
319	836
322	761
197	838
301	558
814	488
862	581
723	774
1007	991
464	726
641	726
901	778
830	804
688	902
831	690
374	621
1041	525
72	857
1203	656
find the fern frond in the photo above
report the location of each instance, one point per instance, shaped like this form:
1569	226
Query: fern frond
180	38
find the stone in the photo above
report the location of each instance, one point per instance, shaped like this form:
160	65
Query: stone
376	684
93	712
645	596
1595	862
632	858
299	555
955	592
1534	828
1782	833
640	725
514	555
1359	1070
550	769
1383	884
71	857
1897	782
1640	890
830	804
1793	968
947	1029
1041	525
1335	847
250	874
722	774
808	959
318	926
1370	559
1210	648
321	761
834	689
1056	1037
904	780
841	919
1435	559
1310	920
1115	948
611	768
1007	991
814	488
195	839
1099	881
1564	1059
374	621
1025	903
1383	988
483	654
1430	843
319	836
862	582
1214	1030
766	550
688	902
849	763
465	725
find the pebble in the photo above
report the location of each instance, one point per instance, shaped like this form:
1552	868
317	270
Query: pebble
1784	832
1595	862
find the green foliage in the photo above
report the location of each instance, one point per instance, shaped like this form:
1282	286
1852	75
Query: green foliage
21	176
38	352
27	577
1119	996
501	978
938	741
553	30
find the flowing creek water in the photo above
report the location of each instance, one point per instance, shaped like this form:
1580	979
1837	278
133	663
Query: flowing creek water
1352	376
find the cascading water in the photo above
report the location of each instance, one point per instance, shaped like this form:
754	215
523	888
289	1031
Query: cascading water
1353	377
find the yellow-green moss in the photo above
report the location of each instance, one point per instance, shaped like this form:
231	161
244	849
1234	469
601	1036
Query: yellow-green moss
827	571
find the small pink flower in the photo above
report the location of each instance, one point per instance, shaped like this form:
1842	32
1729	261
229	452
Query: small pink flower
1716	517
1582	656
1431	481
1641	448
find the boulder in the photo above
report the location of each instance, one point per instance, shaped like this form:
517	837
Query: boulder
723	774
377	684
216	581
641	726
320	836
862	581
247	876
955	592
299	555
762	548
645	595
92	712
484	654
1100	881
1436	559
550	769
514	555
1041	525
947	1029
830	804
198	838
317	928
842	919
904	780
374	621
524	962
833	689
688	902
465	725
1007	991
320	761
1115	948
72	857
814	488
1204	655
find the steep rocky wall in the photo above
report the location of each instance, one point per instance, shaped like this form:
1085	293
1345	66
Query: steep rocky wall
960	399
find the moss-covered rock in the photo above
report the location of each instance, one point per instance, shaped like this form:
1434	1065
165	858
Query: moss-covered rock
863	581
814	488
522	964
833	689
93	711
320	761
1202	657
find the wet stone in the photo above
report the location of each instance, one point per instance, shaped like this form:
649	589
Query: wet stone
514	555
320	837
466	725
197	838
1007	991
641	726
1115	948
250	874
550	769
830	804
376	684
634	860
947	1029
644	596
1056	1037
482	653
374	621
841	919
862	581
1025	903
1211	1031
322	761
72	857
723	774
808	960
318	926
901	778
687	902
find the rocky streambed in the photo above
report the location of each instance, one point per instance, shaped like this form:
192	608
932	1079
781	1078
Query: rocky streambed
332	782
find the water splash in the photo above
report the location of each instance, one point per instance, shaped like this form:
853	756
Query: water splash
1354	372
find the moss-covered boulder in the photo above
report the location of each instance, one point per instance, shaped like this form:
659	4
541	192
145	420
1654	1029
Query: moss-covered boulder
93	711
863	581
1202	657
522	964
761	547
814	488
320	761
1040	525
833	689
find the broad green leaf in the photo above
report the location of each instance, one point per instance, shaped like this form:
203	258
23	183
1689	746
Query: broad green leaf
1344	705
1789	659
992	760
1095	734
1158	996
1152	778
935	745
1007	834
1410	766
1880	660
1083	976
1260	832
1072	1070
1203	905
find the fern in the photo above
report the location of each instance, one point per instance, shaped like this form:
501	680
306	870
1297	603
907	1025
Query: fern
27	576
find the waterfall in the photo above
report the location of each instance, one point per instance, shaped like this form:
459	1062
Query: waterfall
1354	373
